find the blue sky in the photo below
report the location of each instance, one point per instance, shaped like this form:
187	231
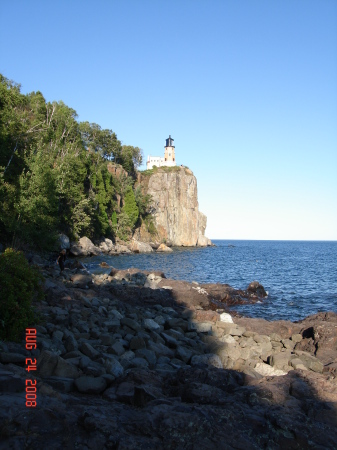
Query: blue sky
247	88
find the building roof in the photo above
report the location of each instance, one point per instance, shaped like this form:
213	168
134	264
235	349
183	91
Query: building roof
169	141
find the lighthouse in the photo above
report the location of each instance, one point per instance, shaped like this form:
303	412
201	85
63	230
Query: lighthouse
169	156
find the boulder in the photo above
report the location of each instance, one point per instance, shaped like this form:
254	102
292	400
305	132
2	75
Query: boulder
229	350
91	385
151	325
152	281
281	360
106	245
257	289
116	349
120	248
131	323
203	241
113	367
63	242
104	264
140	247
138	278
183	353
297	363
201	327
137	342
61	384
164	248
310	361
65	369
209	358
89	350
125	392
80	280
139	363
84	247
267	371
230	328
224	317
46	363
103	247
149	355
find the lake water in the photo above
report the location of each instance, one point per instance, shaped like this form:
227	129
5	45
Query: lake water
300	276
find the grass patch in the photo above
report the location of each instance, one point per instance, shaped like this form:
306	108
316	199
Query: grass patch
165	169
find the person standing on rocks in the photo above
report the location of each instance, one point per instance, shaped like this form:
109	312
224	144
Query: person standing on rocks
61	259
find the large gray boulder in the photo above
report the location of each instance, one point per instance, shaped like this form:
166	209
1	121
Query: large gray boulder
164	248
65	370
106	245
140	247
210	359
63	242
46	363
113	367
91	385
84	247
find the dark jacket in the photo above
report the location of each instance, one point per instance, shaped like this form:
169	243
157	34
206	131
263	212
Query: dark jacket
61	258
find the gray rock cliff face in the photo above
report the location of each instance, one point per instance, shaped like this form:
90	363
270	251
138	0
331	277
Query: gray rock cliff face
176	209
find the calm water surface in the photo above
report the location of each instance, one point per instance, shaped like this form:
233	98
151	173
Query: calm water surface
300	276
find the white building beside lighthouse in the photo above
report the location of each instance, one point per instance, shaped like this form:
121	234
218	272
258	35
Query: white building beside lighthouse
169	156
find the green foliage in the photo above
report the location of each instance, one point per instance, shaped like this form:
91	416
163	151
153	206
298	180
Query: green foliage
130	158
101	142
166	169
13	124
19	285
150	226
149	172
123	230
114	218
143	201
81	218
37	204
130	207
54	173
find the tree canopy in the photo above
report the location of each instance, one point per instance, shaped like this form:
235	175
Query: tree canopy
54	174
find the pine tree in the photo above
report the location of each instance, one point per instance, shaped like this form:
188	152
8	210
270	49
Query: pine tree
130	207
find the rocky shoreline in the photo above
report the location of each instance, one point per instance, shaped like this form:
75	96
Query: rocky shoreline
132	360
85	247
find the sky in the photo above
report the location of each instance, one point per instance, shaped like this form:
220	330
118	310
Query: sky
247	89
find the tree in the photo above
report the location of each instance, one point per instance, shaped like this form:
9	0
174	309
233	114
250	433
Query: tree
130	207
131	157
143	201
101	142
37	204
54	173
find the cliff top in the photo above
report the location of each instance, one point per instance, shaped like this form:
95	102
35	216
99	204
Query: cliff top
166	169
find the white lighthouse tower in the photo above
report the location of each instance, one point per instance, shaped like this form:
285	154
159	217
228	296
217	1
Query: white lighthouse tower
169	156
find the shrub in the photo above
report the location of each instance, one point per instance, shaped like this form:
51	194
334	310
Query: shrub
150	226
152	229
19	285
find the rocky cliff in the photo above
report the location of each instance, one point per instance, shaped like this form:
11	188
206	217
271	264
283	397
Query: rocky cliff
175	206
